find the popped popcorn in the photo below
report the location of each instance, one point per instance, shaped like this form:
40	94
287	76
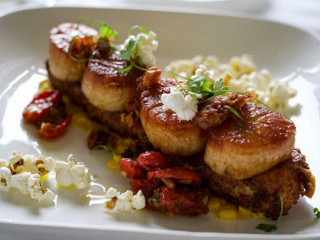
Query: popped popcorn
126	201
240	74
72	173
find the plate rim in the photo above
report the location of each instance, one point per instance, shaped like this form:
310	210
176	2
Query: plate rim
163	232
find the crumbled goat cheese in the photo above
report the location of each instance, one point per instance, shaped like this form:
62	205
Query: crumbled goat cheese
126	201
146	45
240	74
186	107
72	173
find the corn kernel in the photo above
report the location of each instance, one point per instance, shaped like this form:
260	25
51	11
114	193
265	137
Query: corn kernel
113	165
214	204
228	213
245	213
45	85
260	216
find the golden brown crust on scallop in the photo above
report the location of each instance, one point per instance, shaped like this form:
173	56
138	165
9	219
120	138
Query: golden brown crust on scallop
105	87
289	179
266	139
163	127
62	66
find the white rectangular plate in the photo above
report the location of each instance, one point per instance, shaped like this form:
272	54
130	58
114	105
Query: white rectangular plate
289	53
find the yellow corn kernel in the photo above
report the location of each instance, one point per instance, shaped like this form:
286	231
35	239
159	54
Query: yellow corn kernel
223	202
123	144
44	178
245	213
228	212
45	85
214	204
259	216
113	165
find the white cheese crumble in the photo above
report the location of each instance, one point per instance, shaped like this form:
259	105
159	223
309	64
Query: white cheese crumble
185	106
72	173
126	201
240	74
146	46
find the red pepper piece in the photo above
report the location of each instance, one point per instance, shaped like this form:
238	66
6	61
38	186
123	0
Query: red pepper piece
41	104
145	186
152	159
175	173
189	202
49	130
131	169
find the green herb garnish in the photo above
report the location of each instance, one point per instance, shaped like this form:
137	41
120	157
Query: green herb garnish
199	87
231	109
129	53
104	147
271	227
105	31
316	212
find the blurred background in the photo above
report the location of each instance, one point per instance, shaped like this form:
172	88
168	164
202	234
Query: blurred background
301	13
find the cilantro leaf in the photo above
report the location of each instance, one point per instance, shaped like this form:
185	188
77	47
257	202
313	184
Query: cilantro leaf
316	212
271	227
267	227
126	69
140	28
231	109
107	32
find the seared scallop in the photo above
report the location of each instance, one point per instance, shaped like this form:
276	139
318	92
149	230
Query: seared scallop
61	65
243	149
105	87
163	127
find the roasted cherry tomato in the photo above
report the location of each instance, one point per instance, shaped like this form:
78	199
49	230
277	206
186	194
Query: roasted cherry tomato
131	169
179	173
49	130
183	201
152	159
41	104
145	186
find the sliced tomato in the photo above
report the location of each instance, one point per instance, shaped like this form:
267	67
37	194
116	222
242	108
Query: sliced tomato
174	173
131	169
145	186
152	159
185	201
49	130
41	104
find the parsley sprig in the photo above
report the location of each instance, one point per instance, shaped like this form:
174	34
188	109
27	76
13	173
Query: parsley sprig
271	227
130	50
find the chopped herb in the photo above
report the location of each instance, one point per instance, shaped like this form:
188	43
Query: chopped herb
271	227
105	30
231	109
129	53
241	126
140	28
104	147
316	212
